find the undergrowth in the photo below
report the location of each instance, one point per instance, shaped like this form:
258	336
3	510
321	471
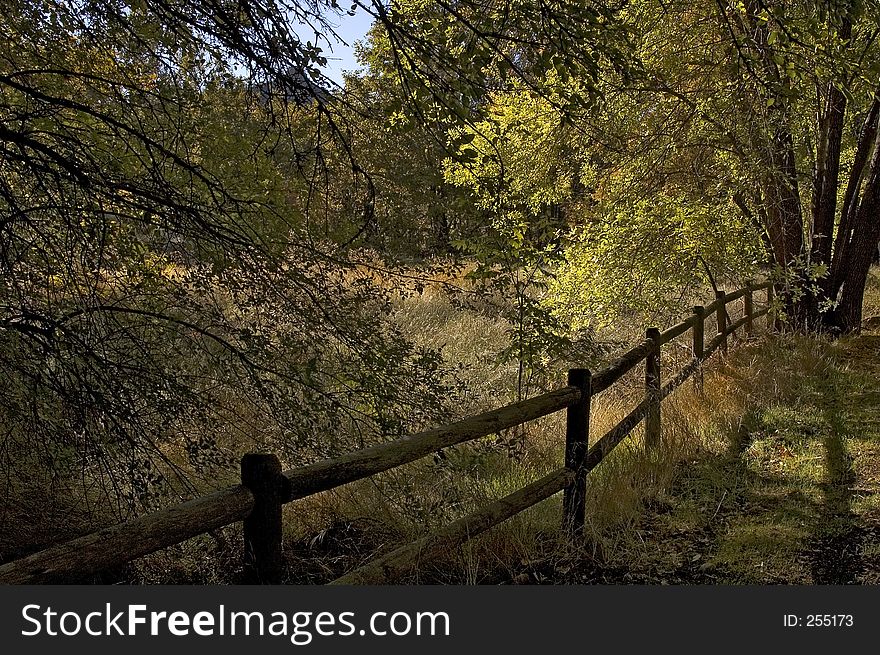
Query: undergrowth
749	474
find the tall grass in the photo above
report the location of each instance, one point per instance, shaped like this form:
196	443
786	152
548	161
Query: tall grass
406	503
702	429
332	532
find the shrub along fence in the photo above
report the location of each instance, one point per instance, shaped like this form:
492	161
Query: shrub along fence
265	488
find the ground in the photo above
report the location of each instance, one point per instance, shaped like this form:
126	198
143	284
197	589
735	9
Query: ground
775	480
795	499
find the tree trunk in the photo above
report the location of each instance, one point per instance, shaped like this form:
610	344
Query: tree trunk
783	200
862	244
784	216
858	230
827	175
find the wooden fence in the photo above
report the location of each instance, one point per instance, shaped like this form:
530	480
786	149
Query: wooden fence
265	488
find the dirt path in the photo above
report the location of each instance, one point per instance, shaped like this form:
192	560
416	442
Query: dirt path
851	552
795	499
790	496
798	496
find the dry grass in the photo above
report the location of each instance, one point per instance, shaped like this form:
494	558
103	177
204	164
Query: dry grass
722	447
689	484
405	504
468	338
779	476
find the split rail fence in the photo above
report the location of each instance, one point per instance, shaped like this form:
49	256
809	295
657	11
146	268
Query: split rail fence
265	487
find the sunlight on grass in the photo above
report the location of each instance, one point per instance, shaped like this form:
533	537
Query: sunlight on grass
774	455
758	552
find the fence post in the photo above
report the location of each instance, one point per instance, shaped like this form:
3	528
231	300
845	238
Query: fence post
699	341
652	389
748	309
577	436
721	319
698	331
771	315
261	473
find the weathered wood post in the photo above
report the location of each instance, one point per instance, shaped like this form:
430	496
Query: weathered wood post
749	309
577	436
721	319
699	341
261	473
652	389
699	331
771	315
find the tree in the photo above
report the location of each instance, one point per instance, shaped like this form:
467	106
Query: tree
164	299
786	94
768	108
165	290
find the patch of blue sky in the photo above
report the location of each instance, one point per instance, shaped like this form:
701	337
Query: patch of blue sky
339	52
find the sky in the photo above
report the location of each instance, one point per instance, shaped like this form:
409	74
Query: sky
350	29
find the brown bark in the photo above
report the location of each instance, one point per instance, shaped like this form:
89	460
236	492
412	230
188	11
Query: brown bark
862	244
827	172
782	193
845	233
330	473
827	175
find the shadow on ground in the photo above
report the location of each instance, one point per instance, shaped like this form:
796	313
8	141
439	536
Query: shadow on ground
793	499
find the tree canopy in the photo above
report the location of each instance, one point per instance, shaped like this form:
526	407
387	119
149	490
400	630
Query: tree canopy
193	215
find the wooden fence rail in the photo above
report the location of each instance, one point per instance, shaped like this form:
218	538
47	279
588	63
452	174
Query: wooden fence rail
265	488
